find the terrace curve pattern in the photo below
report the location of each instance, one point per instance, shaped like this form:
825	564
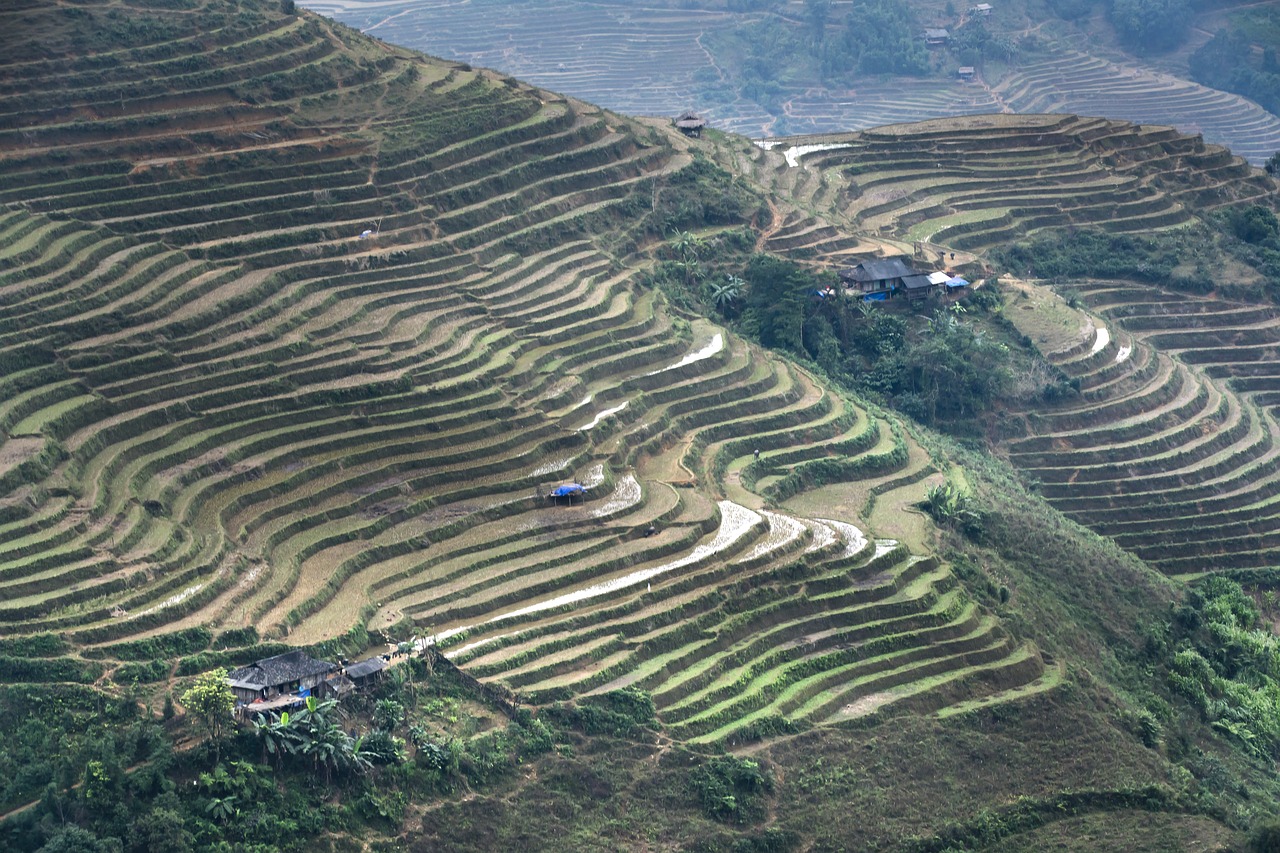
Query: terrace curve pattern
296	327
975	182
657	61
1172	446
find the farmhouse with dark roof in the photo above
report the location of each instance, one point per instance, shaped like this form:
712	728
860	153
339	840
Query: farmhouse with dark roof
274	676
879	279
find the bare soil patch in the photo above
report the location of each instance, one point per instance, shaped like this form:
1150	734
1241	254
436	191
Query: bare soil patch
15	451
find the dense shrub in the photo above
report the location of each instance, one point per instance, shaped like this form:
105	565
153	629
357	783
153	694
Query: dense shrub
184	642
1095	254
620	713
36	645
1227	664
731	789
1151	25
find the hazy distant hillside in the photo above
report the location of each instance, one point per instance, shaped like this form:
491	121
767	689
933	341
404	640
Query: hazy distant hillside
768	68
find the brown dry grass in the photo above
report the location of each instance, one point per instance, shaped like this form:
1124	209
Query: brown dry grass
1044	316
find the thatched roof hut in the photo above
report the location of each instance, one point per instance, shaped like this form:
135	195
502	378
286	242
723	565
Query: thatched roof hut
690	124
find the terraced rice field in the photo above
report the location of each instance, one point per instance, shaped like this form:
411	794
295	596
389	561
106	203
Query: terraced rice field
1071	82
1171	449
655	61
636	60
973	183
302	352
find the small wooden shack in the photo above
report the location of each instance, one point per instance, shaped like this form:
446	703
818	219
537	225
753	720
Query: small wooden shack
918	286
690	124
367	672
936	37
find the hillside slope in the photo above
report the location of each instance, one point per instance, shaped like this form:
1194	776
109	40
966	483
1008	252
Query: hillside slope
302	342
300	331
766	69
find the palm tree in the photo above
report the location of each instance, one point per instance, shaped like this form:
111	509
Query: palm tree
725	293
223	809
687	246
692	271
356	757
278	736
324	749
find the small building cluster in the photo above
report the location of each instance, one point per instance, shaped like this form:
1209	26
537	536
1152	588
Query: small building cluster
877	280
286	680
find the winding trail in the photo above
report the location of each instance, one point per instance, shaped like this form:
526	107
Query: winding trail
775	225
711	60
386	20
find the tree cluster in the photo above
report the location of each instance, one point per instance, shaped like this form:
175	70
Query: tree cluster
1228	62
938	366
1151	26
1223	659
833	42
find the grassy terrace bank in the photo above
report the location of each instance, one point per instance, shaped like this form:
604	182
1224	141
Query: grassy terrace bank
296	342
298	329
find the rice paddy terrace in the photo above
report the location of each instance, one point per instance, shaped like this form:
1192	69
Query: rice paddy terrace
1172	446
658	61
296	329
976	182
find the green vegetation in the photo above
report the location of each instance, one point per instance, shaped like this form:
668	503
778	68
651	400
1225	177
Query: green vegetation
1097	254
1226	663
210	703
1151	25
942	370
951	504
1228	61
136	792
372	308
836	44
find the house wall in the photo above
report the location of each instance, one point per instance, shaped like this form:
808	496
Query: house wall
312	681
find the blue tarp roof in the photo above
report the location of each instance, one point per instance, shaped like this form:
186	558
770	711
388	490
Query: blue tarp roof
567	489
956	282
